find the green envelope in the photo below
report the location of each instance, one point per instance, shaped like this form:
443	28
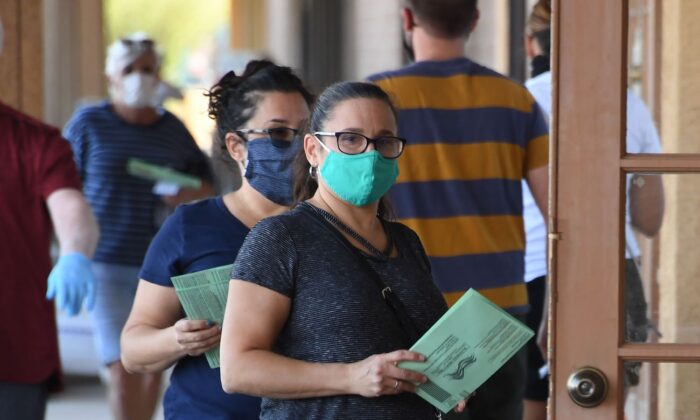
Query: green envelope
203	296
143	169
464	348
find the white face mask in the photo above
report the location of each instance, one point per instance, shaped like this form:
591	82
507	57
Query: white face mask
136	90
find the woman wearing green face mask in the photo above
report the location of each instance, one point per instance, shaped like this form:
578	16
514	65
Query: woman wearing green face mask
326	298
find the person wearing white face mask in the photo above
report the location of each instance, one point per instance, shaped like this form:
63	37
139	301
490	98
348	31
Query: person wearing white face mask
137	89
103	138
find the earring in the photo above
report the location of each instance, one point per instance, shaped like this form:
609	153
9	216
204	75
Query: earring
312	172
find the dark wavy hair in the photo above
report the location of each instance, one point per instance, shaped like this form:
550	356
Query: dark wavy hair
304	185
232	101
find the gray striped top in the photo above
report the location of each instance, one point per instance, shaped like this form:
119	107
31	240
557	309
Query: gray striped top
337	313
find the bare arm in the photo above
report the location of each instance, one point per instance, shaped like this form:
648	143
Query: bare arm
254	317
73	221
538	181
71	280
647	203
543	331
155	337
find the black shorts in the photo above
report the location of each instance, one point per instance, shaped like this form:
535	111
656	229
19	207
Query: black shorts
636	321
536	388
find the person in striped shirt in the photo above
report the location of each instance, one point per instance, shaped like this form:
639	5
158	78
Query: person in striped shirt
103	138
473	136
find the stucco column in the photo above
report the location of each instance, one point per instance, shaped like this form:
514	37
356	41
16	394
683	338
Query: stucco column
489	44
679	267
21	58
73	56
284	32
372	38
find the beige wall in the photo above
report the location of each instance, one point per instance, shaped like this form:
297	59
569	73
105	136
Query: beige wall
372	37
679	268
489	43
284	32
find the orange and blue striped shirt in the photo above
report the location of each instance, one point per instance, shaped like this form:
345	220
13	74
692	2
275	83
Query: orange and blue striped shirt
473	135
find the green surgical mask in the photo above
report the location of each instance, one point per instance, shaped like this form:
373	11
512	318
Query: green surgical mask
359	179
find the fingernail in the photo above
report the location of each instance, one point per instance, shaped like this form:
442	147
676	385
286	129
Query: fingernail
424	379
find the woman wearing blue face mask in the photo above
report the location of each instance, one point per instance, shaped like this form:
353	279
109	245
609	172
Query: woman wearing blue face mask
258	115
326	298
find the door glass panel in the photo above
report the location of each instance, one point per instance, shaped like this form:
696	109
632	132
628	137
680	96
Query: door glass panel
642	134
662	78
640	46
663	391
662	258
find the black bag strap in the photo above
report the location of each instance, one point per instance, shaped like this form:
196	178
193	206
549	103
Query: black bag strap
387	294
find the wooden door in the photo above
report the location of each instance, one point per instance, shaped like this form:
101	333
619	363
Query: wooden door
587	203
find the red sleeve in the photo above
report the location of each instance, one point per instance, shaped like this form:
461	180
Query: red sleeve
55	168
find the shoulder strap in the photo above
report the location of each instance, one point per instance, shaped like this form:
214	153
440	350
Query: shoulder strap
407	243
386	293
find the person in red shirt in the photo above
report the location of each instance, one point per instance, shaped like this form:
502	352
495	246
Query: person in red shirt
39	195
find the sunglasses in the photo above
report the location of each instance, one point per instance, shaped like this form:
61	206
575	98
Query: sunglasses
145	43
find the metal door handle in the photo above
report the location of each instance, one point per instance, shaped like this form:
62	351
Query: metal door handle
587	387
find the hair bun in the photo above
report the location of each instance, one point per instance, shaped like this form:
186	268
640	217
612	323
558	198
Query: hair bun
229	83
219	92
255	66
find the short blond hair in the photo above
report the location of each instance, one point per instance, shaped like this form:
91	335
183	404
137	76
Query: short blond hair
540	18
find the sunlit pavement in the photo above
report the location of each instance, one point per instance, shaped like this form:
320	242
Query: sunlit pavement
84	397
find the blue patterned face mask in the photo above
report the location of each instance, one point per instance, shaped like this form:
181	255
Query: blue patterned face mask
269	168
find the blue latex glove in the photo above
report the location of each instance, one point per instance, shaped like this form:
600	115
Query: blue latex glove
71	281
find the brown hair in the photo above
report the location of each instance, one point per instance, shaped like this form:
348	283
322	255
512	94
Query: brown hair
539	23
232	100
445	18
541	16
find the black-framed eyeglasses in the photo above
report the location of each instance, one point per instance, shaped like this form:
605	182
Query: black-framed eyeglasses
352	143
276	133
146	43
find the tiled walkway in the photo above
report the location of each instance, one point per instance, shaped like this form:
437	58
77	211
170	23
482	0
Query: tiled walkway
84	397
